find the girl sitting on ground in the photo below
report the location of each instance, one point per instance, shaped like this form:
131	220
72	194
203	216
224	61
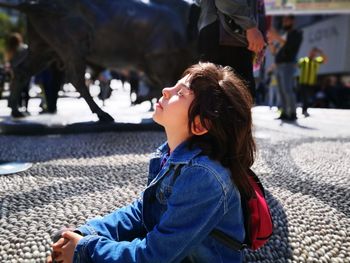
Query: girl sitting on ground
196	180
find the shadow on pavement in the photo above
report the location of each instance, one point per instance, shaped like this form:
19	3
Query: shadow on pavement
296	124
10	127
288	175
89	145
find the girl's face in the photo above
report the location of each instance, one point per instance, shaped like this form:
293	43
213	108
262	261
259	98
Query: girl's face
171	111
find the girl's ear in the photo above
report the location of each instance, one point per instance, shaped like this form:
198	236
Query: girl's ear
197	127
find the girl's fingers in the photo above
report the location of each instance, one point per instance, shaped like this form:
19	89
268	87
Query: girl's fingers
59	243
59	257
49	259
254	48
70	235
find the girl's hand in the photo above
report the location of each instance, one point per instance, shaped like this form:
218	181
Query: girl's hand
65	249
56	249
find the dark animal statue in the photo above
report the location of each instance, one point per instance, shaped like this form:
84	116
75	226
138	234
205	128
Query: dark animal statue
155	37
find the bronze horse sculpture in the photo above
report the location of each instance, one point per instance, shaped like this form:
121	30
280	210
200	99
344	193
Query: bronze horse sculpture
152	37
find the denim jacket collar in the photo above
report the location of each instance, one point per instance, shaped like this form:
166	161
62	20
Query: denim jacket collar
181	155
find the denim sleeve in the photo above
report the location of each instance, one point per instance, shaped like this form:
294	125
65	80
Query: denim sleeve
123	224
194	209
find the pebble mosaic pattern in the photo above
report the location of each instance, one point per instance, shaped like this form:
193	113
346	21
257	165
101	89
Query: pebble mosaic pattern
76	177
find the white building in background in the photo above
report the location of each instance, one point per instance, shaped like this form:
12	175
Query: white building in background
332	35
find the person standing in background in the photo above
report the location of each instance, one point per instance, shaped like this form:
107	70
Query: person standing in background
15	52
273	95
309	67
51	81
230	35
285	60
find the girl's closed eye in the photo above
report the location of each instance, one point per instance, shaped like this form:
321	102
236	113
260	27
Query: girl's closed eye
184	92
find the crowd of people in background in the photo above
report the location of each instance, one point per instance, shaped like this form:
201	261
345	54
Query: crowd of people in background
52	79
328	92
284	88
291	81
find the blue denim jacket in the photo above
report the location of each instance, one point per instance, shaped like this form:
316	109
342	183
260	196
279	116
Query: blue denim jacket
172	220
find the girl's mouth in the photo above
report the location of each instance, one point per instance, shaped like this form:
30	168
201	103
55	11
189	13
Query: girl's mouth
159	105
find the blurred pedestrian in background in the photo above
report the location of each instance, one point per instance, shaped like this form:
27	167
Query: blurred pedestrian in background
309	67
51	81
230	34
15	52
273	94
105	78
338	94
134	80
4	77
286	58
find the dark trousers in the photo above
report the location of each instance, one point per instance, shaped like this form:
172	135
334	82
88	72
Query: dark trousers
306	94
240	59
52	80
24	97
57	81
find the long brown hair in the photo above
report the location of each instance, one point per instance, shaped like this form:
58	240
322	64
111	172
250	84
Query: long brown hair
223	103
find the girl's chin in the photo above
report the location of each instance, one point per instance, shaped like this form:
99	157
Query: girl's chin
154	117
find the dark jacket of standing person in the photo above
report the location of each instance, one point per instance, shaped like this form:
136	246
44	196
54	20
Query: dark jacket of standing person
229	35
289	51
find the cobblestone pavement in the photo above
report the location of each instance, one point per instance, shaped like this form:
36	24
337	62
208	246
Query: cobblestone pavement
304	166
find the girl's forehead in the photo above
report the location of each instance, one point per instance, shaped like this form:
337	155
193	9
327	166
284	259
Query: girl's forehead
185	81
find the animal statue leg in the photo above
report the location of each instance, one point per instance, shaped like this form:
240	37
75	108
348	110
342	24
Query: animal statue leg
76	73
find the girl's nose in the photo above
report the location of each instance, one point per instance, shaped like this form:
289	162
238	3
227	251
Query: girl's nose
166	93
